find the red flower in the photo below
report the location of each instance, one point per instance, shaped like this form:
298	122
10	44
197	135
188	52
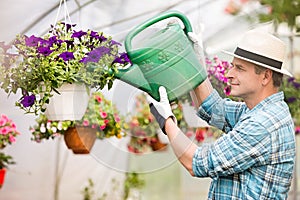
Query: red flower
200	132
103	127
98	98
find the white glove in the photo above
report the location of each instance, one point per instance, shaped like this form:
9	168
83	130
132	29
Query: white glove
161	110
198	47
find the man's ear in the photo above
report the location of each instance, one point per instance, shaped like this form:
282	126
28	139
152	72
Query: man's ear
267	76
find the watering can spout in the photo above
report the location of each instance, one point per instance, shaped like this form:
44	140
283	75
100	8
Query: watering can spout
133	76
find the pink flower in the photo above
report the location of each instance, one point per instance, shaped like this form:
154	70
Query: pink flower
227	90
3	120
98	98
94	126
12	138
103	114
85	123
297	130
106	121
117	118
13	125
4	130
189	133
103	127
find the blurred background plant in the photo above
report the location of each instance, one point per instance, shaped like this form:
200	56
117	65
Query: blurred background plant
133	182
101	114
8	131
144	128
291	89
5	160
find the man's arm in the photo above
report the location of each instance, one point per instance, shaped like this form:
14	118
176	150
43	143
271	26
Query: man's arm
201	92
182	146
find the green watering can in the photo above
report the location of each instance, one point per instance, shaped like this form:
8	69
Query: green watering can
166	58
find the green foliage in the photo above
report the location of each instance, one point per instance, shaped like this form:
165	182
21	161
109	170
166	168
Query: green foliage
133	180
5	160
88	191
281	11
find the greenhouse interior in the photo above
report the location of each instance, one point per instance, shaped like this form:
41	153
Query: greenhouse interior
111	147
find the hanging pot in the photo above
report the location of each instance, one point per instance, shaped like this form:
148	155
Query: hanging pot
80	139
70	104
2	176
157	145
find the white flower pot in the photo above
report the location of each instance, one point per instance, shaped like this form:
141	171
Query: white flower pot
70	104
189	114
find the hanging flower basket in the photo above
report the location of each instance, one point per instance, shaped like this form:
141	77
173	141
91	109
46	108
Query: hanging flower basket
37	67
2	176
80	139
70	104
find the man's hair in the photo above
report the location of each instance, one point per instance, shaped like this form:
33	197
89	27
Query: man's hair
277	77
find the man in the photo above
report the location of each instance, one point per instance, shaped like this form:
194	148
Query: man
255	158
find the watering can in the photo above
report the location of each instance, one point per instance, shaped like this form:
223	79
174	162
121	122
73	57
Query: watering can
166	58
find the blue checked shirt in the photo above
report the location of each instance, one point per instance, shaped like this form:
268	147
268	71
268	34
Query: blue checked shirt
255	158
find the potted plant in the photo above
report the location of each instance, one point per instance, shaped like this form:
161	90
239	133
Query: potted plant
144	129
101	120
5	160
8	131
39	66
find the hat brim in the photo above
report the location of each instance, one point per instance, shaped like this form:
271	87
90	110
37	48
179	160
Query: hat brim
282	71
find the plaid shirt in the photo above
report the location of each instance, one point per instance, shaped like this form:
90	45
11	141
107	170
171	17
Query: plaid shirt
255	158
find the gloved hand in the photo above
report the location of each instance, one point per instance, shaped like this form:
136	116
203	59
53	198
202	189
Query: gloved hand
161	110
198	47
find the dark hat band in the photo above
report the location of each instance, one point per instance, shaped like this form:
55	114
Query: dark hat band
258	58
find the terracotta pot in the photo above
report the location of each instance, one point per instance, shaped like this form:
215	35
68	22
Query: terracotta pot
70	104
2	176
157	145
80	139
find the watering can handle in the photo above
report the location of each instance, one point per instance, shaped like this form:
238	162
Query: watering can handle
141	27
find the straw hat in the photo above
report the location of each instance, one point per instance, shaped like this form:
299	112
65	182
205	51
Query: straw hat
263	49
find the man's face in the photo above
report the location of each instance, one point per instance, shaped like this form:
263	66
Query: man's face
243	80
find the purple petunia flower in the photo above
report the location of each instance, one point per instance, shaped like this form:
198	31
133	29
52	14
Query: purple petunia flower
45	50
291	99
291	79
115	43
78	34
95	55
66	56
122	59
49	43
95	35
102	38
28	101
32	41
296	85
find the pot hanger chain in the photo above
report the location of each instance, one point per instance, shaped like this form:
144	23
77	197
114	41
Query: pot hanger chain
67	17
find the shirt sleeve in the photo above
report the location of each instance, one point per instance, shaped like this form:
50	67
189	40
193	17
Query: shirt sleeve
234	152
220	113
